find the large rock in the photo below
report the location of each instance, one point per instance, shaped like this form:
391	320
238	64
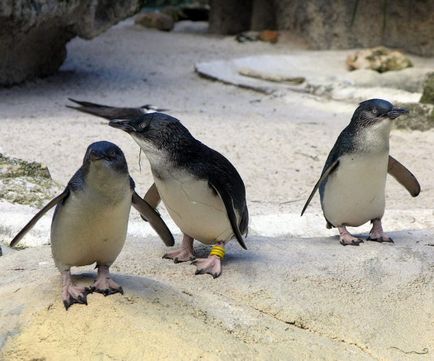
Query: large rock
379	59
155	20
28	183
285	299
428	90
33	34
334	24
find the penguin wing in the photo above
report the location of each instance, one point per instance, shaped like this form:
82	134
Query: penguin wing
229	205
327	171
154	219
152	197
403	176
38	216
106	111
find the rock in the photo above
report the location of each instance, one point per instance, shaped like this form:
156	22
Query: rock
323	24
24	182
34	34
269	36
324	75
428	90
421	117
379	59
173	11
229	17
288	298
155	20
263	15
247	36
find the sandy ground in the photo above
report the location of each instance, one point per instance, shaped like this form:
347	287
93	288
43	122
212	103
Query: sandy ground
288	297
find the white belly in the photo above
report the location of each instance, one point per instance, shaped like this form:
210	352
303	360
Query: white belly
194	207
354	193
86	230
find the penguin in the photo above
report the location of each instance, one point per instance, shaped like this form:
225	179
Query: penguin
353	180
201	190
90	221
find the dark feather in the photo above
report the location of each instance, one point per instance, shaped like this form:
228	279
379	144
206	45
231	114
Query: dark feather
154	219
61	197
107	112
403	176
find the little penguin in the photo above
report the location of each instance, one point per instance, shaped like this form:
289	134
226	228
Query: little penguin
353	181
91	219
200	188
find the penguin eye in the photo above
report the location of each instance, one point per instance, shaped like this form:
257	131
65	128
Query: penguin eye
374	111
143	125
112	154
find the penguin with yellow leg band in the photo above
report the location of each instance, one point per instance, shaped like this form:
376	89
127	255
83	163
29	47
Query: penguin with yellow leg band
200	188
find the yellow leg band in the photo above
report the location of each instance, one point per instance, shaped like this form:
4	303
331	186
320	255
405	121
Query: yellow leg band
218	251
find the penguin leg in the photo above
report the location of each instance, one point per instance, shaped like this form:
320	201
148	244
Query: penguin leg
104	284
71	293
183	254
347	239
213	264
377	234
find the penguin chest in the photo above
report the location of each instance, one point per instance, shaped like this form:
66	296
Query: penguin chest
355	193
195	207
89	229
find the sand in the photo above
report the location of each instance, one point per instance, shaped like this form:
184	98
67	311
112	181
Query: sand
296	294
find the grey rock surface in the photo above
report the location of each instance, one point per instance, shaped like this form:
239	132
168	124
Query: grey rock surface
27	183
156	20
428	90
340	24
33	34
283	299
324	74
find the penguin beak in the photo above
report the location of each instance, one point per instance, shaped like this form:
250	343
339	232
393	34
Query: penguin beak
124	125
396	112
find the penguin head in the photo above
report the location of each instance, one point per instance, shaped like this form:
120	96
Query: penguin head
154	131
374	111
102	156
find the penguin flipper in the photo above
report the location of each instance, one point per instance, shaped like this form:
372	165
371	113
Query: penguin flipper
152	197
403	176
324	175
107	112
227	200
38	216
154	219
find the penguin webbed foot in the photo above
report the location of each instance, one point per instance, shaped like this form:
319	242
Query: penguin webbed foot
377	234
72	294
211	265
180	255
350	241
104	284
381	239
347	239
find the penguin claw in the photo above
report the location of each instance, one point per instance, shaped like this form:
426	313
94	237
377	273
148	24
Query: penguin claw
382	239
351	242
109	291
210	265
74	295
180	255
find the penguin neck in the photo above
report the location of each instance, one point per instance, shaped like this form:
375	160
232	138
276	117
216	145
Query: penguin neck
162	159
374	138
107	181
